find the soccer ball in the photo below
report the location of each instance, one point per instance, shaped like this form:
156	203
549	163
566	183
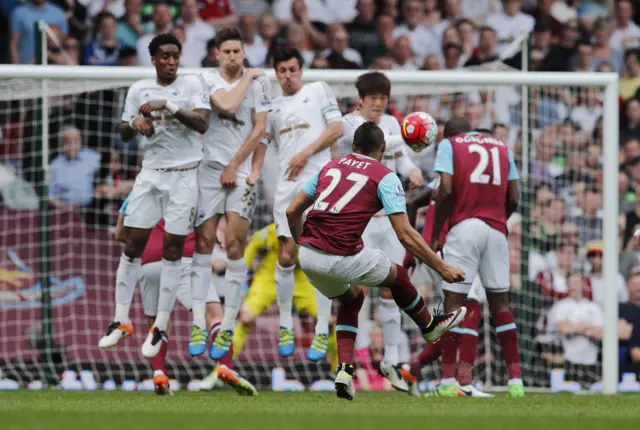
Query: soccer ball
419	130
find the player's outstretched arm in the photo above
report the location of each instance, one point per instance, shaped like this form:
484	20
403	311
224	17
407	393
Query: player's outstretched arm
301	202
419	201
254	138
230	101
415	244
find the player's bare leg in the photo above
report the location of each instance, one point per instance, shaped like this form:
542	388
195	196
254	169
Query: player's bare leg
170	279
318	349
200	281
508	334
287	256
346	332
126	279
390	319
235	243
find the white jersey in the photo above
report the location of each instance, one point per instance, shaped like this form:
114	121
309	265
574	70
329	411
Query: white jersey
228	132
173	144
395	155
297	121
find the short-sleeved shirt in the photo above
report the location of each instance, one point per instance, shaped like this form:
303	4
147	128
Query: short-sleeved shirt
173	144
481	167
72	180
228	132
296	121
347	193
23	20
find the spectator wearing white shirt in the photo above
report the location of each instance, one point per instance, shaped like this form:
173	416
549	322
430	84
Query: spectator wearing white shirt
477	10
197	34
578	322
402	56
163	22
254	47
114	7
588	110
598	287
326	12
510	23
602	52
486	48
423	41
468	36
627	33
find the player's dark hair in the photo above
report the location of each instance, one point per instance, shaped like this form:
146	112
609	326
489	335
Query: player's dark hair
483	131
368	138
373	83
286	53
227	34
163	39
455	126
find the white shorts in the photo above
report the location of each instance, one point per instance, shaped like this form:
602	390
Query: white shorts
150	287
213	199
332	274
380	235
160	194
285	192
481	251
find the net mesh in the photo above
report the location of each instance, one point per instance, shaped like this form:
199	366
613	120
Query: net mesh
556	209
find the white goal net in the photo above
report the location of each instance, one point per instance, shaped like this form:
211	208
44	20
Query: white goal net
63	238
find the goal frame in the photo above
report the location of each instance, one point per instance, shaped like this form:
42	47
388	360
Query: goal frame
606	81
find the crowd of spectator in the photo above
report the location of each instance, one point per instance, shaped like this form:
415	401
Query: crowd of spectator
94	169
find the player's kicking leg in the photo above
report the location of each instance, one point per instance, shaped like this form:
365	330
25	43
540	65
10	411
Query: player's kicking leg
234	277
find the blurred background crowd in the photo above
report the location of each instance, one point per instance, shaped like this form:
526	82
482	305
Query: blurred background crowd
556	257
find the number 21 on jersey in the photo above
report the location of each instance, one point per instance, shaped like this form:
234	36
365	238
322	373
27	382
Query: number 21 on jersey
478	176
358	182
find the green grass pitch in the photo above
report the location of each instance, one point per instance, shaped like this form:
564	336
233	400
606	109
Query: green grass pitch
309	411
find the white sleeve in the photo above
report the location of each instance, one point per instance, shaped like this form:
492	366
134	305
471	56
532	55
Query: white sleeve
211	83
131	104
199	93
261	88
623	292
552	317
404	165
597	317
329	104
350	127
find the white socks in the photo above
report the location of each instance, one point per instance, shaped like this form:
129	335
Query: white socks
390	319
324	313
234	278
200	282
284	292
126	278
170	278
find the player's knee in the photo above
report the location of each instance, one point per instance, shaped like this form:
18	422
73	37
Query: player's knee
235	248
287	256
247	319
498	302
172	252
385	293
133	247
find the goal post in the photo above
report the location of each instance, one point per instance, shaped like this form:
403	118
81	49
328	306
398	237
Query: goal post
58	81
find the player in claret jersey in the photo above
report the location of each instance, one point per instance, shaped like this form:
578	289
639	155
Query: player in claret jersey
478	192
343	198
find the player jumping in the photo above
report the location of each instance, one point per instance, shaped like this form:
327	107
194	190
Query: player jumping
478	192
343	197
240	99
262	291
374	90
172	112
304	122
151	264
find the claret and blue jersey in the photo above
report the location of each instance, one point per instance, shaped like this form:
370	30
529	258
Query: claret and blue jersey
347	192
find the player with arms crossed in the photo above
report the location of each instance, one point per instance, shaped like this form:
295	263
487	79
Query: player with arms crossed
374	90
240	99
303	123
343	198
478	192
172	112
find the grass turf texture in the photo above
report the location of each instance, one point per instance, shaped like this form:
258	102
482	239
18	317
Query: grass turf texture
309	411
